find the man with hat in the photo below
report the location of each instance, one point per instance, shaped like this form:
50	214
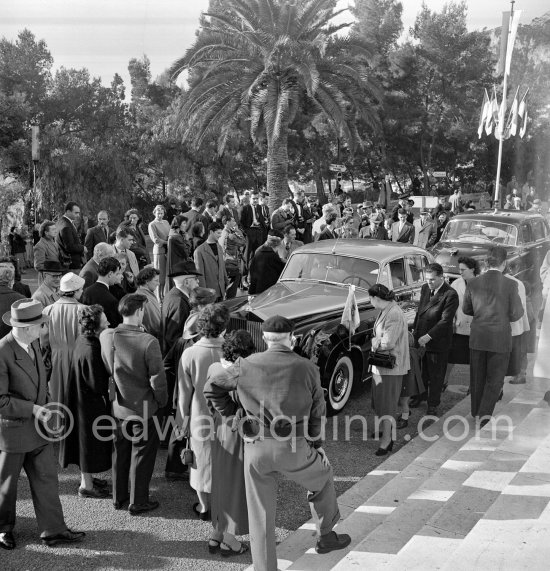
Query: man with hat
537	206
175	306
402	204
285	413
24	435
47	291
138	392
425	232
376	229
266	266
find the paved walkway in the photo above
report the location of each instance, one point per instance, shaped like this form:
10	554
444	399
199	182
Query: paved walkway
454	498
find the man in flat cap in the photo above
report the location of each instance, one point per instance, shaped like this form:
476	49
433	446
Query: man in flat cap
24	435
284	404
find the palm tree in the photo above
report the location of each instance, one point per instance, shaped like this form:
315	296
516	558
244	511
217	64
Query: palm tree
258	61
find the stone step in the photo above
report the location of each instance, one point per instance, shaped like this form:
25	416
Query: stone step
433	521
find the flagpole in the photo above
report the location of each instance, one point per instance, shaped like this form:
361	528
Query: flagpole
503	112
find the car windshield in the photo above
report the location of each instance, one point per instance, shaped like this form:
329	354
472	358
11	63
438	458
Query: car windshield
331	268
480	231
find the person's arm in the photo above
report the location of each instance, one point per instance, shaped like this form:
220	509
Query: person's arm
11	406
199	263
317	416
515	305
39	256
390	333
89	243
71	245
155	366
154	235
411	235
467	306
186	390
218	390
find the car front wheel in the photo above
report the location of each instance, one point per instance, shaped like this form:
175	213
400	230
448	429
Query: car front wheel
340	385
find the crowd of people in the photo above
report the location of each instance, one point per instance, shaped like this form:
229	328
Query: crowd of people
130	343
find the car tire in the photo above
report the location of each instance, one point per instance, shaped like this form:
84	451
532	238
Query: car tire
340	385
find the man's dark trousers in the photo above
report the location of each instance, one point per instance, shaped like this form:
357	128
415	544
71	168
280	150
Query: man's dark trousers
434	366
134	461
254	236
487	372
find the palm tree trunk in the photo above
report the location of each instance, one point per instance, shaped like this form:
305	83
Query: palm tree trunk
277	170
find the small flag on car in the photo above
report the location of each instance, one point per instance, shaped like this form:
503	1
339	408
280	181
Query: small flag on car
350	315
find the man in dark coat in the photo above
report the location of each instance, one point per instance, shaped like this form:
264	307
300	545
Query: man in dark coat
278	384
283	216
402	231
494	302
303	217
109	273
266	265
175	306
433	329
97	234
71	249
134	360
7	295
25	441
89	271
251	221
265	216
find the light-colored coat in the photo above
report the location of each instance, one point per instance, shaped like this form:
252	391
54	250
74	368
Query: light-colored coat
132	260
522	324
213	274
424	234
463	322
193	408
60	336
391	330
45	295
158	232
151	312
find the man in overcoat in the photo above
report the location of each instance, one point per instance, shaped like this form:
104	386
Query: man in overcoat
493	301
138	391
424	230
266	266
433	329
282	397
98	233
70	247
210	262
23	432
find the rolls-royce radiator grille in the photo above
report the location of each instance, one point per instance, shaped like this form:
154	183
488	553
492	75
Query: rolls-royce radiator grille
253	327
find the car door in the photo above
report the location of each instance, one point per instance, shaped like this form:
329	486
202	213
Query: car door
415	266
539	247
394	276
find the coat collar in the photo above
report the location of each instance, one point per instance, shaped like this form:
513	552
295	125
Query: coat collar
439	293
23	359
211	343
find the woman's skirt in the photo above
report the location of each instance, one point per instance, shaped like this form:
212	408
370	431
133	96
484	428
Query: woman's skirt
460	350
385	394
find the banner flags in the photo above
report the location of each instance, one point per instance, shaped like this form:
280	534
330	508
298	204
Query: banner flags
350	315
492	113
522	114
512	123
507	40
485	106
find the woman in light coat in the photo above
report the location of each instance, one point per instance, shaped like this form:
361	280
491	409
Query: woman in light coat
158	232
390	334
192	406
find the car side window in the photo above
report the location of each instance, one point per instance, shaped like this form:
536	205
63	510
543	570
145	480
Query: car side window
416	266
527	234
539	230
384	277
397	273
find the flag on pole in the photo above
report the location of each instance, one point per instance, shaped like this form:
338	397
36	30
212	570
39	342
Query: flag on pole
508	32
512	123
492	113
350	315
485	106
522	115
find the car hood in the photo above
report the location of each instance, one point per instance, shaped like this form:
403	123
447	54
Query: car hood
447	253
297	300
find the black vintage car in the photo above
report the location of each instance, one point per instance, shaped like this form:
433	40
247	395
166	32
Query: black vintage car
525	235
312	291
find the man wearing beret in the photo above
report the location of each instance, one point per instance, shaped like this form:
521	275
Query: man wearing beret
284	405
23	429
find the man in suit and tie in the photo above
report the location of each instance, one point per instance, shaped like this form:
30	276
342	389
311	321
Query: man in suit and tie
109	273
122	245
251	221
209	215
288	243
97	234
402	231
25	441
494	302
70	247
265	215
134	360
89	271
303	217
433	330
279	384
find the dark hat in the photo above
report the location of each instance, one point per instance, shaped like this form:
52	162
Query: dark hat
366	204
202	296
275	234
50	266
24	312
403	195
424	211
187	268
277	324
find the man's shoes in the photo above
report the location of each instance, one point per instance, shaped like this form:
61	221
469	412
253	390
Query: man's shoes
119	504
432	411
136	509
176	476
331	542
99	483
97	493
402	423
7	541
65	537
518	380
416	401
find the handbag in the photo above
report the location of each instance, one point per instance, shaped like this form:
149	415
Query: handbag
381	359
